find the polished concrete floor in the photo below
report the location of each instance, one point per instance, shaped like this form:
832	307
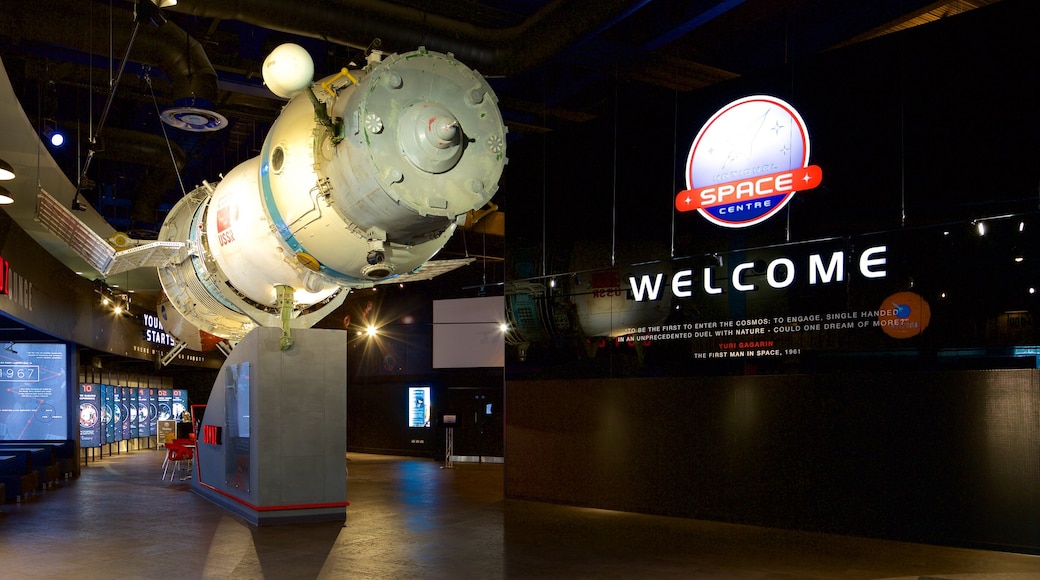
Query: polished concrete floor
411	518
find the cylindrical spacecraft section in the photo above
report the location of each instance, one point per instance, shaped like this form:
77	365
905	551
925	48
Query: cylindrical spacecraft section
249	255
224	283
190	280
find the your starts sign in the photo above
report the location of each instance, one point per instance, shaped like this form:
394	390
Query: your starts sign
747	162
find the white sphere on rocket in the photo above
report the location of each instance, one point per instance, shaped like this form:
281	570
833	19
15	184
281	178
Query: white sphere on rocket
288	70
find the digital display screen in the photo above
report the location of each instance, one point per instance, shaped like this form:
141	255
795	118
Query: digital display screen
133	406
171	404
108	413
153	411
90	414
34	402
124	413
419	407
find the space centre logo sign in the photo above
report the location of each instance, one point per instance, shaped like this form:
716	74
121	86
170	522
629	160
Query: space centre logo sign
747	162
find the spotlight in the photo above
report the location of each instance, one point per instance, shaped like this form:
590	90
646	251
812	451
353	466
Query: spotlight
981	227
6	171
77	205
9	347
5	196
55	137
371	330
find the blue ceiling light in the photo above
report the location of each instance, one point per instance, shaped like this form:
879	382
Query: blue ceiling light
54	136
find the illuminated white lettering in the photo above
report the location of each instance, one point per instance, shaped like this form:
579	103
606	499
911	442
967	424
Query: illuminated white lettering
763	190
834	271
771	273
680	282
738	284
871	265
763	186
645	287
867	262
708	288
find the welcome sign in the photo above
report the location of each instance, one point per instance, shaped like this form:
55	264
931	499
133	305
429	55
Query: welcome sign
747	162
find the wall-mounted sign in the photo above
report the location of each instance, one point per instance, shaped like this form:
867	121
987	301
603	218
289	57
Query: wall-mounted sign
419	408
904	314
747	162
779	274
155	333
5	268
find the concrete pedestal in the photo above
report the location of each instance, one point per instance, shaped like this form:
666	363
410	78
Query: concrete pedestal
273	440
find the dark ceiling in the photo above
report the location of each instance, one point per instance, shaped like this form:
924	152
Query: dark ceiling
551	64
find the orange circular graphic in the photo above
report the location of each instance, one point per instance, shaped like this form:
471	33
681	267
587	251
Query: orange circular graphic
904	314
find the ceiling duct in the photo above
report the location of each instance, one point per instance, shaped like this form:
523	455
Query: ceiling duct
502	51
165	46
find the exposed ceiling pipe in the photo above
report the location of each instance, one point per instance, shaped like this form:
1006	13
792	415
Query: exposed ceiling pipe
166	47
504	51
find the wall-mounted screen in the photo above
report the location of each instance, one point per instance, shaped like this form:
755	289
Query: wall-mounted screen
108	414
153	411
124	413
133	406
467	333
143	413
171	404
33	392
419	406
90	413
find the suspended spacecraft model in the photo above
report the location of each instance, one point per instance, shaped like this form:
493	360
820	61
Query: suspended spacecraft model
362	179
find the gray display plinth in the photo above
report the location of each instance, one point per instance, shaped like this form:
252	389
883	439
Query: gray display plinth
272	444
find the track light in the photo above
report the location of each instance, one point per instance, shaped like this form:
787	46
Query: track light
55	138
6	171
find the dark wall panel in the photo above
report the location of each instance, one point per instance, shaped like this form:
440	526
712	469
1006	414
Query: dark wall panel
378	414
949	458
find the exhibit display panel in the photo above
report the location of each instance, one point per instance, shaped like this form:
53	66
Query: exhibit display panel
90	414
98	418
34	399
419	407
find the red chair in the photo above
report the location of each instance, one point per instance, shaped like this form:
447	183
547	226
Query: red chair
178	456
